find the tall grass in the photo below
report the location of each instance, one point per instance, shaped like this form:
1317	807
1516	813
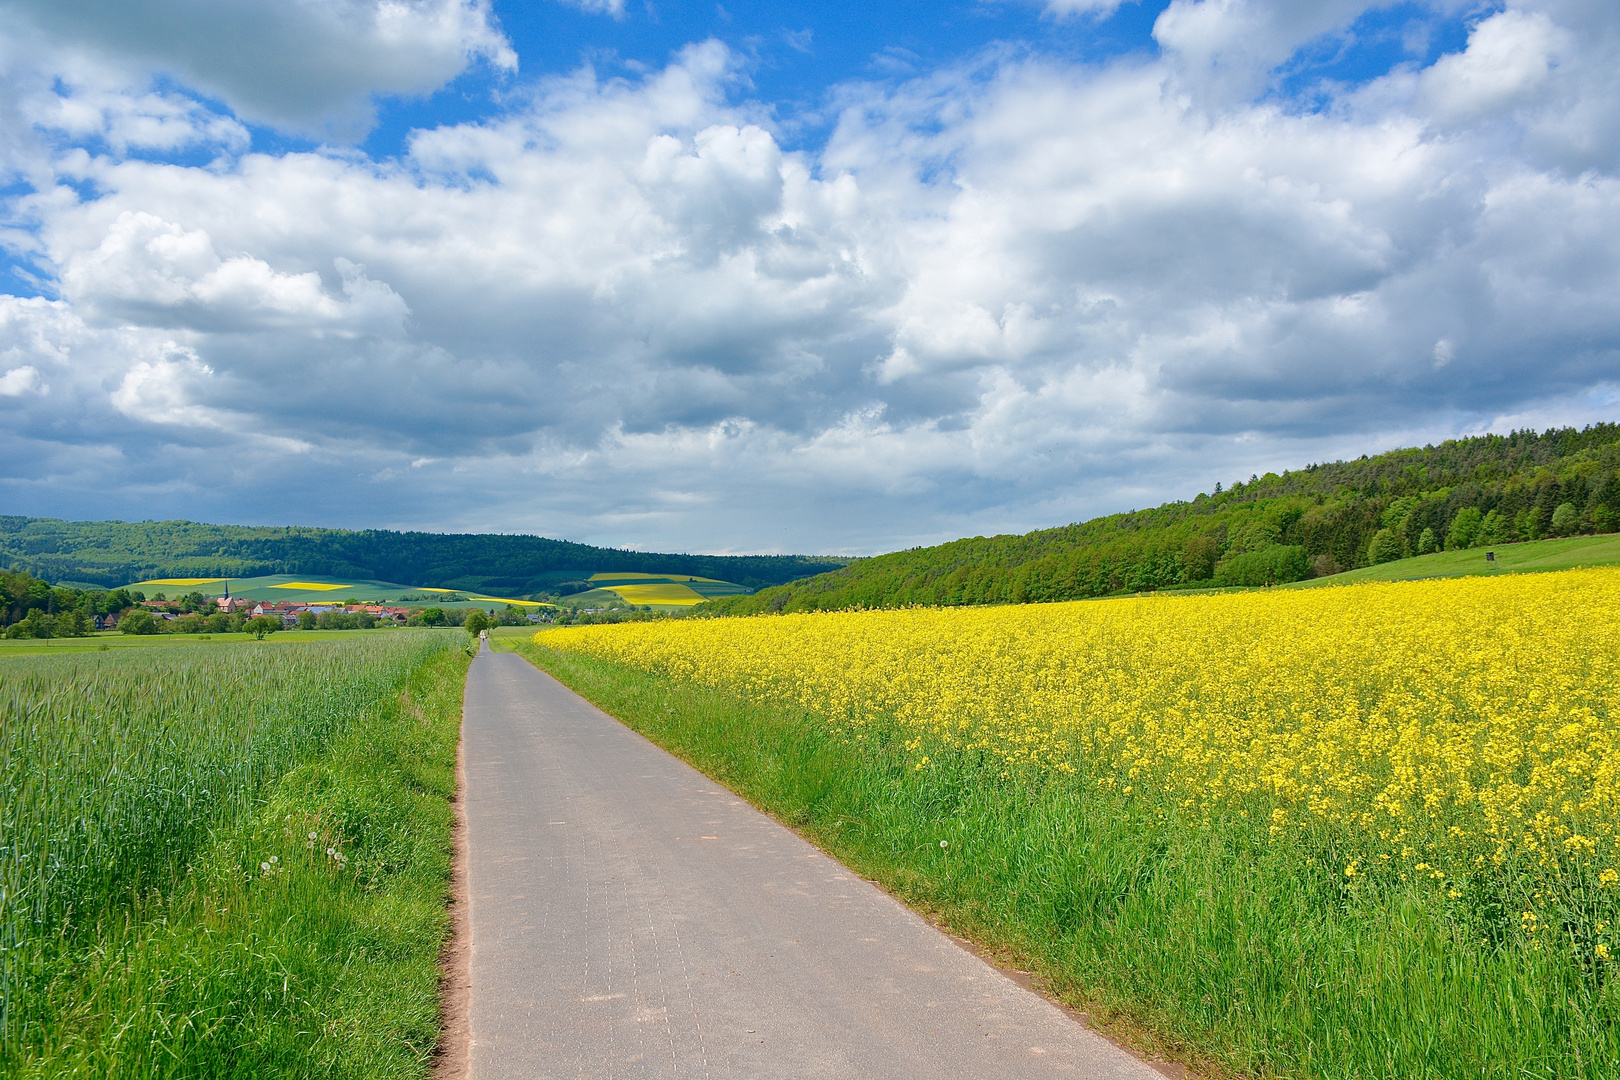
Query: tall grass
117	770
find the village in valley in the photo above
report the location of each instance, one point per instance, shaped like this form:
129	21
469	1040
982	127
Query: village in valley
292	614
195	613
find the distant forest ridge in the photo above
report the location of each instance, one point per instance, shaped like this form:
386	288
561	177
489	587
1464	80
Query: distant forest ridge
1312	522
113	553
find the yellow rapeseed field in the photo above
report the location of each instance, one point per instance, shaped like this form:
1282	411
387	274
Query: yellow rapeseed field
671	593
1446	728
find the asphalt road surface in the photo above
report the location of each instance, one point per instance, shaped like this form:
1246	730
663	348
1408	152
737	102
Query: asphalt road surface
630	918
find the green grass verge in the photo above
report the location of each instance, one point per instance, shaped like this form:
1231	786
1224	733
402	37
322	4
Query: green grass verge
321	965
1203	942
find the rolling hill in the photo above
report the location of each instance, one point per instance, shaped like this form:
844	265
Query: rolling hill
655	590
112	553
1316	522
317	588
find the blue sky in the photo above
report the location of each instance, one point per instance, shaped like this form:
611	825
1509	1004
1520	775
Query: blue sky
796	54
783	277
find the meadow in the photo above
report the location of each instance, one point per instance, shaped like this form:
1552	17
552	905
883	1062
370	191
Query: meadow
228	860
1531	556
1353	832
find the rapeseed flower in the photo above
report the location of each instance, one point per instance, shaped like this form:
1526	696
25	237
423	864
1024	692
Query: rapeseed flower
1442	729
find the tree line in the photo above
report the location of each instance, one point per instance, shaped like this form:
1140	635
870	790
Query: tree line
111	553
33	608
1316	521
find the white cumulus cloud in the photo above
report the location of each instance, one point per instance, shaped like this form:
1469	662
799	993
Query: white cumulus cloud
19	381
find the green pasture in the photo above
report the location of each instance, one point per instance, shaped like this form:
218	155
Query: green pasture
1533	556
593	598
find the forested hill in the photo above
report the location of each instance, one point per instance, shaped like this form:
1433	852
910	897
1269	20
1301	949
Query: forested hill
1318	520
113	553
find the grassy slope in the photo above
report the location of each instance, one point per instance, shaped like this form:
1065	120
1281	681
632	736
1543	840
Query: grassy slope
1532	557
1202	943
319	969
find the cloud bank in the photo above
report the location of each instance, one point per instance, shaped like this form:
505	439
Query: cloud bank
1008	293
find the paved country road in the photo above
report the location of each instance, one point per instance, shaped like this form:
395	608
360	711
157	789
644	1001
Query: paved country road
630	918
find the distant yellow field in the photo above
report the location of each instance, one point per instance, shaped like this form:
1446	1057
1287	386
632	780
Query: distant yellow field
311	586
656	594
504	600
177	582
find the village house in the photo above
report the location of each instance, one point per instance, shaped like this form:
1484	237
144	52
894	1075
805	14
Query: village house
382	611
